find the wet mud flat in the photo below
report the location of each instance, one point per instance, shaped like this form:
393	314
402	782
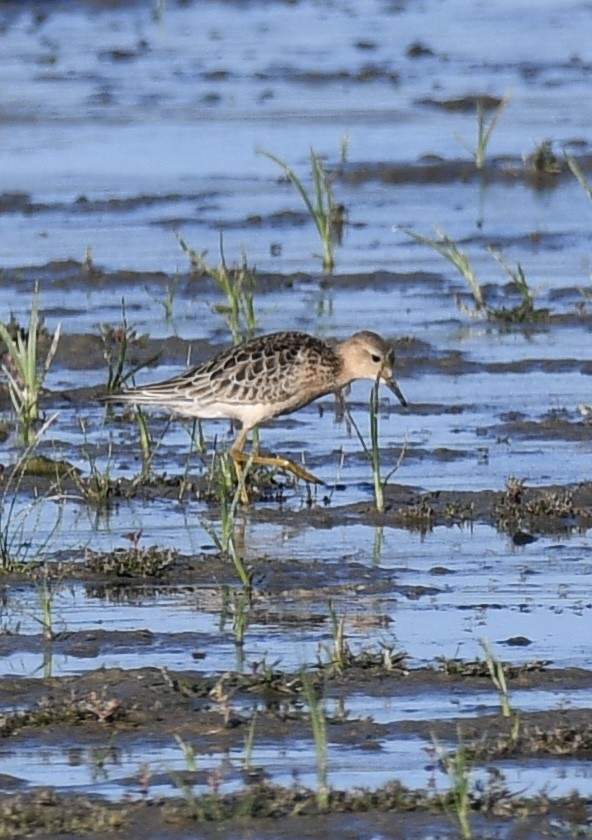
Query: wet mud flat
142	683
233	727
145	691
106	713
420	672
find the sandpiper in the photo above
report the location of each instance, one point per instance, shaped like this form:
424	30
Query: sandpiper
265	377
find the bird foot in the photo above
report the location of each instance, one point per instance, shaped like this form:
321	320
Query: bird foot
239	458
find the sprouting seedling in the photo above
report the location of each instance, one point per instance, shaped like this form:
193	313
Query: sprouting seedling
188	753
457	769
543	160
16	525
145	441
319	732
518	278
320	203
46	591
375	448
97	488
373	454
344	148
484	130
498	677
340	652
168	301
148	445
117	342
241	603
237	284
526	310
25	373
229	497
447	248
578	174
247	760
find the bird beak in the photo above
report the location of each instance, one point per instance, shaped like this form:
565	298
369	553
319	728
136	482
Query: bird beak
390	383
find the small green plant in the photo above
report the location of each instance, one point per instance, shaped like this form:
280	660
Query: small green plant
578	174
168	301
197	444
525	311
448	249
236	283
16	522
23	368
48	585
46	596
247	760
229	496
344	148
320	204
97	487
339	654
188	753
498	678
148	446
373	453
319	732
240	602
457	769
484	130
543	160
117	343
148	450
375	448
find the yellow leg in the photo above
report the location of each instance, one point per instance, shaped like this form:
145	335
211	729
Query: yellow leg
239	458
281	463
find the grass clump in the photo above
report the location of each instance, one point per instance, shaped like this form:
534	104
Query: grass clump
521	507
237	284
118	342
457	769
25	371
525	311
320	202
543	161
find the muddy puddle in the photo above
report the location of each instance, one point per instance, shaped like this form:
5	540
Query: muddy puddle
420	672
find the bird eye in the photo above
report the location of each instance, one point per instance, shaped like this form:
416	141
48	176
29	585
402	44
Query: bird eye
376	359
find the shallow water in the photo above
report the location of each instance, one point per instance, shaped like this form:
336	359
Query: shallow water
125	124
465	584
